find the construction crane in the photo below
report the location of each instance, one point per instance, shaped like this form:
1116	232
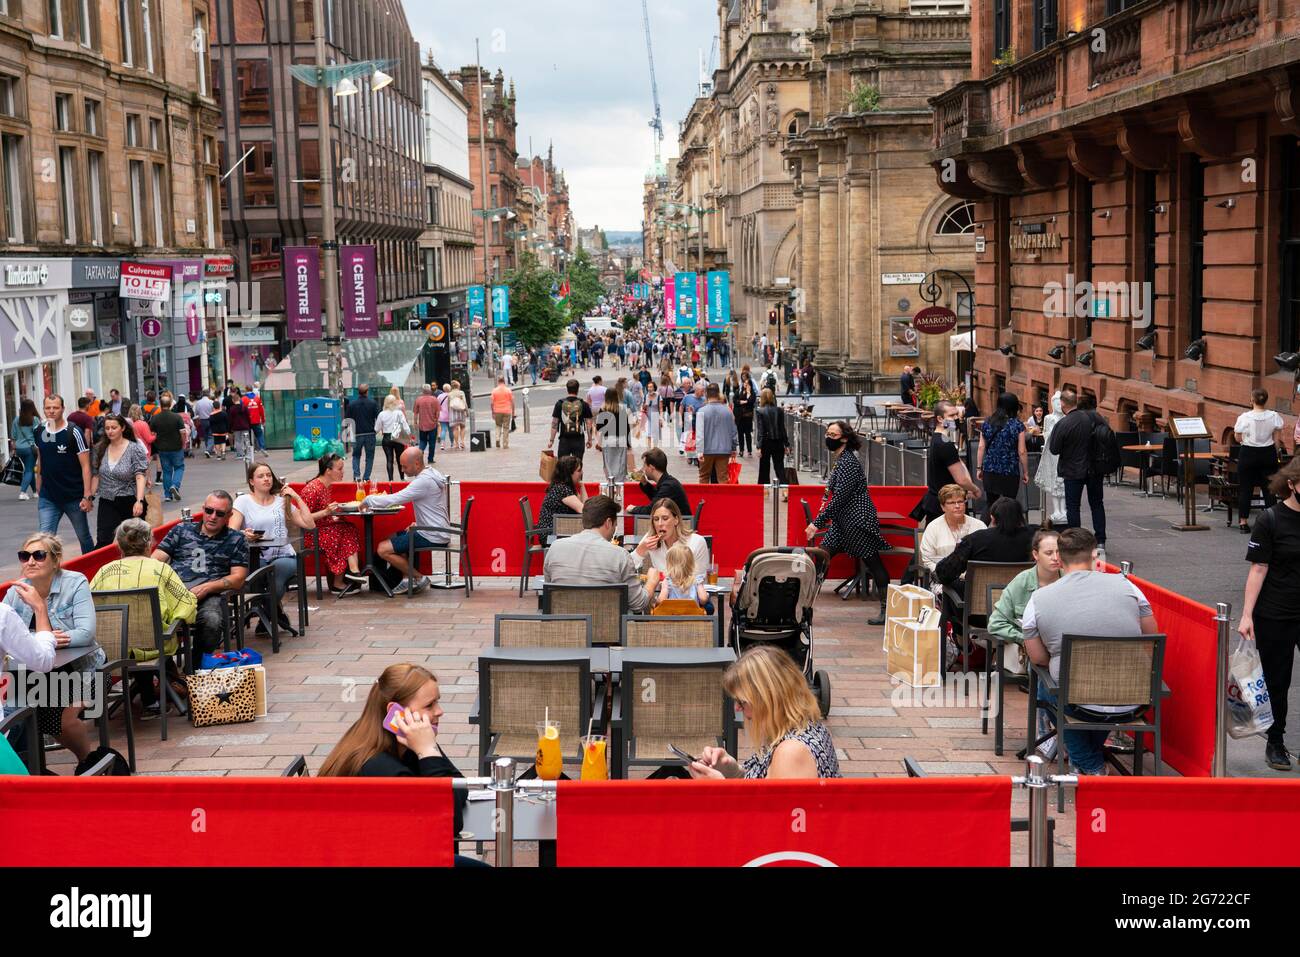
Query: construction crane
657	123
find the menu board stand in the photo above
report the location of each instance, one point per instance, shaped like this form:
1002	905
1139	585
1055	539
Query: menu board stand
1186	431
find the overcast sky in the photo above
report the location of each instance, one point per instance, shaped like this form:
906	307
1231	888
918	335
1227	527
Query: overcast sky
582	80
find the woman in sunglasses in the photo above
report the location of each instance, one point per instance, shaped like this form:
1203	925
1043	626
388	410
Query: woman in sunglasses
71	612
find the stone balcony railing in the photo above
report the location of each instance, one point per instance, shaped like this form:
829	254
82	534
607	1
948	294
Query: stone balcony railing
1217	21
1120	56
960	113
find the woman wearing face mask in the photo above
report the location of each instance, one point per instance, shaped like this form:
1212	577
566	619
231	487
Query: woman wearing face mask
1270	614
849	511
1051	484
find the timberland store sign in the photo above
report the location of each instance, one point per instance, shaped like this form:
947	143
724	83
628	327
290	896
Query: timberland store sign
34	275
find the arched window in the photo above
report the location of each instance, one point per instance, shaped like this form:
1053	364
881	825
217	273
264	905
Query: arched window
957	220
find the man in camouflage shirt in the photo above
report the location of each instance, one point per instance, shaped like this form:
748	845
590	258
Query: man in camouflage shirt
211	559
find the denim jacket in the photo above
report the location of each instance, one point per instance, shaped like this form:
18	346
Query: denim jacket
71	609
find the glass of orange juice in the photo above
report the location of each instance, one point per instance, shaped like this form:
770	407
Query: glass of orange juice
550	757
594	767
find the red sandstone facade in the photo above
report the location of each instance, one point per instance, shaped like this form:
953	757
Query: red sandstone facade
1151	145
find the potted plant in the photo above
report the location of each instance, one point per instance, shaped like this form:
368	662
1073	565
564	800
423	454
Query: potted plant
1004	59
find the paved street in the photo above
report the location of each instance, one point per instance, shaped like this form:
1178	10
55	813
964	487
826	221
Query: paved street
318	682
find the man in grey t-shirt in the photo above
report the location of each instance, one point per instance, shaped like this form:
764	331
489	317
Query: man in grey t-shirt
1084	602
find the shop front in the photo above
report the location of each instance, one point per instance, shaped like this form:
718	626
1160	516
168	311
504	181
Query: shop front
33	356
253	351
175	358
97	328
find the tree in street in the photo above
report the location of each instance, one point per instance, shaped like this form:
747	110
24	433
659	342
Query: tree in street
585	288
535	317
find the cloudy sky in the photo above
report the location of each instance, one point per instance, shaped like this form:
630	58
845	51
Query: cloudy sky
582	80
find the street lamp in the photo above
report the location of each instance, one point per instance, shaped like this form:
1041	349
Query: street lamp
342	78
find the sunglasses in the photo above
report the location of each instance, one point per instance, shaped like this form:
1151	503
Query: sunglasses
40	555
219	513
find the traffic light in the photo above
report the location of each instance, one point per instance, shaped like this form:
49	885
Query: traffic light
771	317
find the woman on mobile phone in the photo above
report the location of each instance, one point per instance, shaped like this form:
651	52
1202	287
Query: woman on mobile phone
369	750
782	720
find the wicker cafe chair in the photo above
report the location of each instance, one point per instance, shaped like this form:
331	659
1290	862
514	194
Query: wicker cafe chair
542	631
112	631
605	604
974	614
1100	670
651	631
566	525
516	695
145	633
687	708
534	543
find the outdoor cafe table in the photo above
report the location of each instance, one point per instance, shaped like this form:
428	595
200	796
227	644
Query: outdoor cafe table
63	658
1145	472
370	567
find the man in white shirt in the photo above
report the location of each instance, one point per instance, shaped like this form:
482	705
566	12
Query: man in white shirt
508	368
1084	602
427	493
202	413
34	650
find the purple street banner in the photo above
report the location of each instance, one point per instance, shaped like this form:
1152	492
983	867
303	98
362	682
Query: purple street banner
360	289
302	292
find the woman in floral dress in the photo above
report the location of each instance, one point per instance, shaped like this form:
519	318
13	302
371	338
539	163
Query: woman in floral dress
339	541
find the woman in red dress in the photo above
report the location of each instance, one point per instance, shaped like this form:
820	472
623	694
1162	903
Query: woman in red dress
339	540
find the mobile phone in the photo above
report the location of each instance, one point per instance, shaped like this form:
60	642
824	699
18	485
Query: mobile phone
394	710
682	754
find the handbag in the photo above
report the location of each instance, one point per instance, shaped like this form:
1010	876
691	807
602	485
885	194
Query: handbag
224	696
13	472
231	659
546	466
153	508
458	403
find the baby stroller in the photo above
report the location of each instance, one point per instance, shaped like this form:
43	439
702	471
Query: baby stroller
775	607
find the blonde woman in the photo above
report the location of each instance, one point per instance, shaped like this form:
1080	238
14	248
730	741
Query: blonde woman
72	620
393	429
459	407
396	395
944	534
680	582
782	721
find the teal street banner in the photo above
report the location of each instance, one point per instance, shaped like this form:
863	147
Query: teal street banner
476	297
686	296
501	307
719	299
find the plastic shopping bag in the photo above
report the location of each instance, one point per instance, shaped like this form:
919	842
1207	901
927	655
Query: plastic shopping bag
1249	710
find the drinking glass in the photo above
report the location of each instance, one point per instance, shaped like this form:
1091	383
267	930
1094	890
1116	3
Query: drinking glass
550	758
713	573
594	767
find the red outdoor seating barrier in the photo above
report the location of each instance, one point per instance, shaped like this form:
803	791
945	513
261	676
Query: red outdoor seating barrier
1187	822
733	515
226	822
899	499
852	822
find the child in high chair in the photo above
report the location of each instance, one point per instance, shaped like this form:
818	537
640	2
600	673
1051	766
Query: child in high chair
680	582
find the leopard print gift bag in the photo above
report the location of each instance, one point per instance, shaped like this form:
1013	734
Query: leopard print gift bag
223	696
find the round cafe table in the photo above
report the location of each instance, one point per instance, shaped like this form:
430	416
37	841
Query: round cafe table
371	568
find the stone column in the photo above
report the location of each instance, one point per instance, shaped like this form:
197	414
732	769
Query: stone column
862	323
808	276
830	353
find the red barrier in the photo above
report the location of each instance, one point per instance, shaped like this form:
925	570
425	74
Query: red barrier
386	526
899	499
1190	664
1186	822
733	514
496	542
226	822
855	822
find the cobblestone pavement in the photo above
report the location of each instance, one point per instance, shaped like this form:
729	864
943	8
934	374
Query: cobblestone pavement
317	683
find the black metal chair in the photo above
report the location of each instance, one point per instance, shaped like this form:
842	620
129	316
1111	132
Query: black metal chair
459	548
297	768
994	648
1130	460
531	532
28	744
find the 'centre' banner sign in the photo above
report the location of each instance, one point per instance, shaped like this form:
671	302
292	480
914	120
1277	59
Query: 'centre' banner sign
302	292
360	291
